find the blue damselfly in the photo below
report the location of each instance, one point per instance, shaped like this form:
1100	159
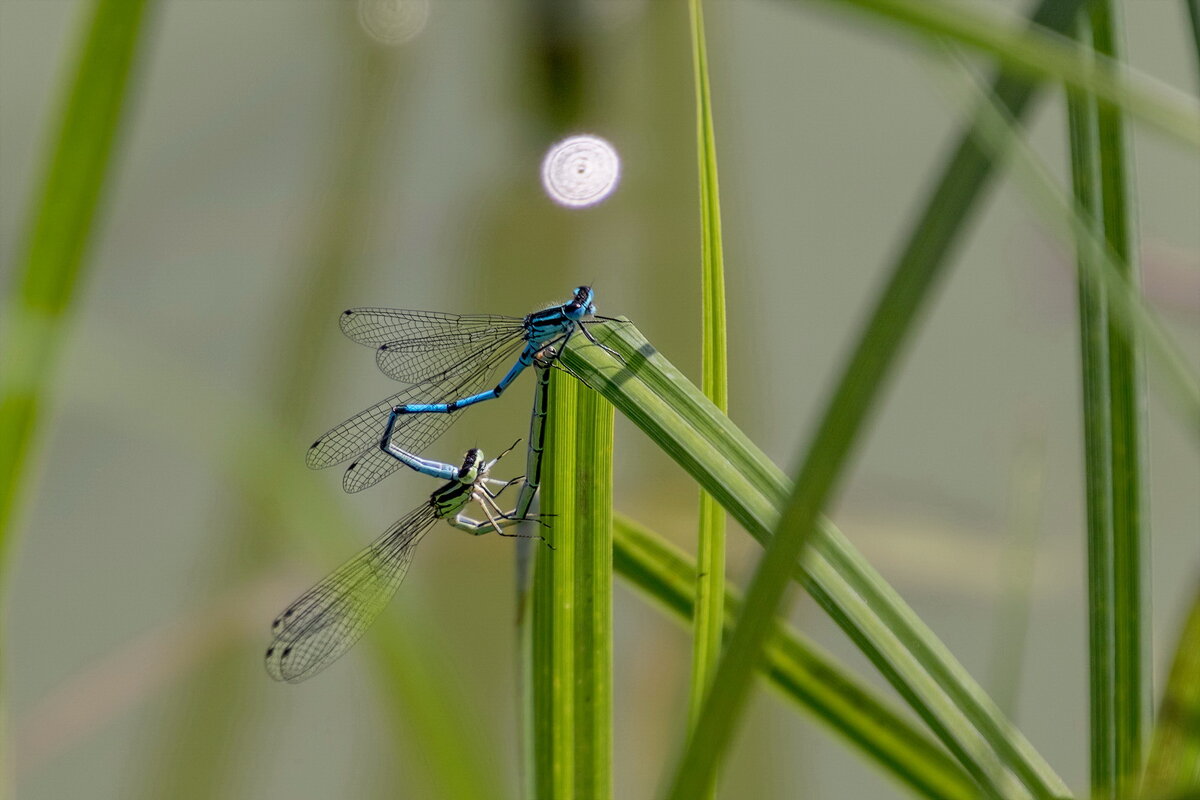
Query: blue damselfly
449	358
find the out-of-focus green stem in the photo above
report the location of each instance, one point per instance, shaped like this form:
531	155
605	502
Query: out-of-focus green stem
62	216
1173	762
49	266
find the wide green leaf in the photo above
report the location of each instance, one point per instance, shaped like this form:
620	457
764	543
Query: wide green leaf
571	619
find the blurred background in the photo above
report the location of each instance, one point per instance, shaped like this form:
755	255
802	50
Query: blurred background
282	161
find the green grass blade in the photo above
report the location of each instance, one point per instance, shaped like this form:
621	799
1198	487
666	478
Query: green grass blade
593	528
1093	334
708	621
1127	392
48	266
1036	52
803	673
1173	761
62	217
571	616
552	612
653	394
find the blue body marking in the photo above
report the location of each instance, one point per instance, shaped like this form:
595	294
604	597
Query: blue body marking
425	466
551	328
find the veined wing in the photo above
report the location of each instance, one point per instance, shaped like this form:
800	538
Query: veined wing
358	437
326	621
376	326
417	346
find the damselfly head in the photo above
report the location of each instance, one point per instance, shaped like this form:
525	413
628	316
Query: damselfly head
470	467
582	304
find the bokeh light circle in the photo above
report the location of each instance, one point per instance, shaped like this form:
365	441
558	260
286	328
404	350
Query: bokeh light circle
393	22
581	171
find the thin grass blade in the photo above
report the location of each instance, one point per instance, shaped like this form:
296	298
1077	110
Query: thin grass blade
708	621
50	261
1128	402
1097	432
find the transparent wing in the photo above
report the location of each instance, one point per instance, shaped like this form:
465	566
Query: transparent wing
358	437
326	621
426	345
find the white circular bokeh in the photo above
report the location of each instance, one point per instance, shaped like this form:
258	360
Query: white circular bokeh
580	171
393	22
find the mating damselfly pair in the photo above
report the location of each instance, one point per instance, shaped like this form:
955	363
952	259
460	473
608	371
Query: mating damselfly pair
448	359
